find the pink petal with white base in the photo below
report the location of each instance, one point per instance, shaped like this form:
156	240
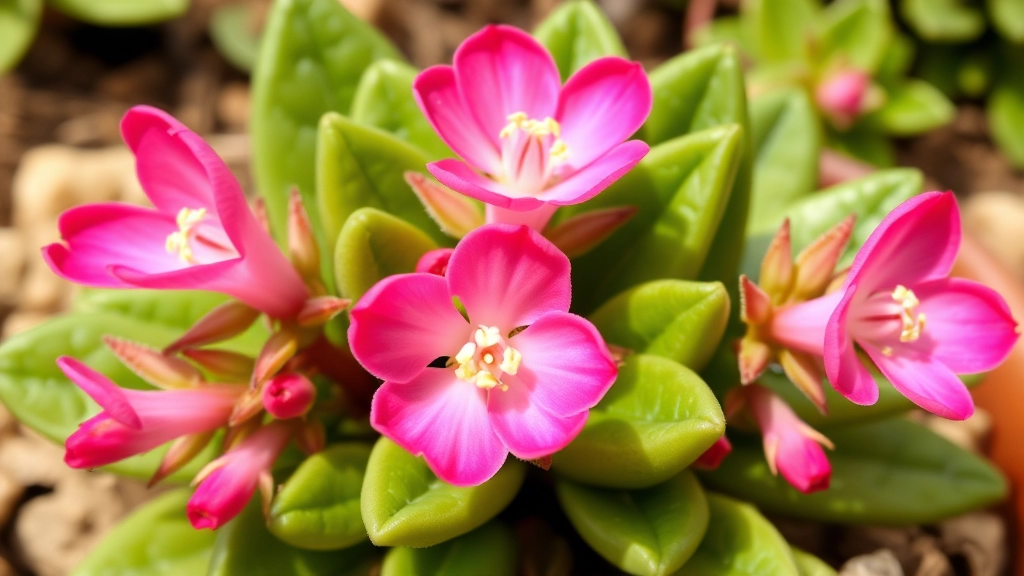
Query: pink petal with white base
437	94
592	179
461	177
844	369
526	428
925	381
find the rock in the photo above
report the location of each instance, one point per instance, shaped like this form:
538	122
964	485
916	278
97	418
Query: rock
931	560
979	537
11	492
42	290
880	563
994	219
233	106
43	184
863	540
971	434
18	322
5	567
12	263
32	460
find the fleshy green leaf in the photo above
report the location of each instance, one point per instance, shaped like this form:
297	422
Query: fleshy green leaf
675	319
854	33
19	20
233	32
892	472
912	108
317	508
384	100
121	12
490	549
1008	18
655	421
787	144
811	565
244	547
864	142
739	542
576	33
373	245
312	56
405	504
954	21
779	29
649	532
155	540
1006	118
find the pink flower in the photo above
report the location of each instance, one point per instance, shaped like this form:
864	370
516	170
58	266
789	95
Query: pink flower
920	327
842	96
137	421
201	235
791	447
521	373
228	483
530	144
435	261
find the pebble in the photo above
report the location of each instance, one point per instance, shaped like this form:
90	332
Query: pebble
12	264
880	563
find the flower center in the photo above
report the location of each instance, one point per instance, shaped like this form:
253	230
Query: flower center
531	150
913	322
180	242
478	360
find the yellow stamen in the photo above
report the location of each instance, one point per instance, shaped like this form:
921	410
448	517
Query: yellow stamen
510	360
487	336
913	324
559	151
180	241
486	380
488	358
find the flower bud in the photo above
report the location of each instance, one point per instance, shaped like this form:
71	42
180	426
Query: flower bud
842	96
223	322
580	234
288	396
454	213
435	261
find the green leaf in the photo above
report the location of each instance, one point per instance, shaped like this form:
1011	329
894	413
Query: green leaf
864	142
655	421
739	542
1008	18
681	190
155	540
891	472
244	547
779	29
576	33
490	549
405	504
121	12
311	58
318	507
373	245
649	532
953	21
1006	118
19	21
385	101
358	167
811	565
912	108
675	319
897	62
787	144
854	33
234	34
726	30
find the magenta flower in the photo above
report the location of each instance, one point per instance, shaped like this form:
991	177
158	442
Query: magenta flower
529	143
791	447
228	483
201	235
137	421
521	372
920	327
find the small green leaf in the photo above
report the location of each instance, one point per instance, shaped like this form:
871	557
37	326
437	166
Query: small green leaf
1008	18
675	319
864	142
811	565
953	21
649	532
385	101
854	33
317	508
312	56
19	21
912	108
787	144
779	30
891	472
373	245
245	548
655	421
576	33
405	504
1006	118
121	12
155	540
739	542
233	32
490	549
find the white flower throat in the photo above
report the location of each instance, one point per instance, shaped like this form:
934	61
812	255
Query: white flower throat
484	360
531	151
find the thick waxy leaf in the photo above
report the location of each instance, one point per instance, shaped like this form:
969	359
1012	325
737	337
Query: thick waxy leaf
576	33
156	540
317	508
234	33
649	532
19	20
739	542
313	54
384	100
121	12
1008	18
679	320
913	107
655	421
891	472
787	143
953	21
1006	117
372	245
490	549
810	565
778	30
244	547
404	503
681	190
854	33
362	167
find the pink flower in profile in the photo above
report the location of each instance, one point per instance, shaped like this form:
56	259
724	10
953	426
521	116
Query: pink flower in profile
521	373
843	95
228	483
791	447
920	327
201	235
137	421
529	143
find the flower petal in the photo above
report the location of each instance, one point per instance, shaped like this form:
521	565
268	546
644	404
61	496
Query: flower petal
111	398
444	419
461	177
588	182
969	327
925	381
404	323
508	276
526	428
566	366
844	369
601	106
437	94
502	70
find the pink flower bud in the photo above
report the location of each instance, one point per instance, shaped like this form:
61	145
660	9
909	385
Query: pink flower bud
435	261
841	96
713	456
288	396
791	447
